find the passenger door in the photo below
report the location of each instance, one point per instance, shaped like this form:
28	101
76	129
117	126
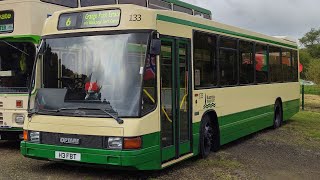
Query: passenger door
175	98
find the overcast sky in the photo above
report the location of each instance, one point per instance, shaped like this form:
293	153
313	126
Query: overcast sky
272	17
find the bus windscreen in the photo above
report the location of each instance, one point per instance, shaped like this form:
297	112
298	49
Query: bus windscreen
16	63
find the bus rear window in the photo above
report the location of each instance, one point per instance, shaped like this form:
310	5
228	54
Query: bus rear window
68	3
85	3
182	9
158	4
136	2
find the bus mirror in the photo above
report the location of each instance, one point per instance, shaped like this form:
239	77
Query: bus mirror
155	47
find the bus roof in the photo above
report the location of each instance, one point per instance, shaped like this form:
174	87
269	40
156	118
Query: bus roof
24	19
174	5
151	18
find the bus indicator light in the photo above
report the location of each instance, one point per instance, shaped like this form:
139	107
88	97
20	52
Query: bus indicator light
132	143
25	135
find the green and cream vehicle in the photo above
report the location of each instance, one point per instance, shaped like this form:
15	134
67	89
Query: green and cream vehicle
146	86
21	23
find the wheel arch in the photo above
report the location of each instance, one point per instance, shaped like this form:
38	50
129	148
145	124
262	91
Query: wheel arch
279	99
212	114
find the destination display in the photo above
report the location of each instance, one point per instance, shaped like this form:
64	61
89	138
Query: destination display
91	19
6	21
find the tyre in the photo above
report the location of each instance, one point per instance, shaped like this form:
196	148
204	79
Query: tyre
206	137
278	118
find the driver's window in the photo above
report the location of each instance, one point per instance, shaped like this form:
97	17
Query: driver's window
51	69
149	85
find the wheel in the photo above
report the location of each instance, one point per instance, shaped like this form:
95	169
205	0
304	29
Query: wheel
277	120
206	137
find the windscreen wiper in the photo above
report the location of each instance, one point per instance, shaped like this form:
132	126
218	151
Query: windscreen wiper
33	111
119	120
7	43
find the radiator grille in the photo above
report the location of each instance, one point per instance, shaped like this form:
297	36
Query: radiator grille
86	141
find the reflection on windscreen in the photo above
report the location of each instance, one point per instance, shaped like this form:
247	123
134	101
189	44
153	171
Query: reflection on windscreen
96	70
16	62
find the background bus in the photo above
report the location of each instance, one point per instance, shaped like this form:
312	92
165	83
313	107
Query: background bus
134	87
21	23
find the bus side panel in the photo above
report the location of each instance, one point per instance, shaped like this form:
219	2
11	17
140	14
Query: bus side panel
290	108
196	137
245	123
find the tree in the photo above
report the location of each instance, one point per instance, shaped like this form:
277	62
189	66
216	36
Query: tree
311	41
313	71
305	59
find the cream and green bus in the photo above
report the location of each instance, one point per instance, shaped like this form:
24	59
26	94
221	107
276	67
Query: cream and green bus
146	86
21	24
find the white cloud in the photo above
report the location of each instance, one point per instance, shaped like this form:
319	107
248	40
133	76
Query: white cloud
273	17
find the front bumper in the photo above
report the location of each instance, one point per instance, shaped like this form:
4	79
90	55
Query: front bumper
144	159
11	133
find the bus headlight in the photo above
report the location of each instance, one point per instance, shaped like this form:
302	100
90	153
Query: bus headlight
34	136
114	143
19	118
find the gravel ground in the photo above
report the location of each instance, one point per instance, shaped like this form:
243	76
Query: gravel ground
271	154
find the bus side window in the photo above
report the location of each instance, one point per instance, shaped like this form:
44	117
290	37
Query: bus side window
228	62
261	56
286	65
295	66
246	63
275	64
205	64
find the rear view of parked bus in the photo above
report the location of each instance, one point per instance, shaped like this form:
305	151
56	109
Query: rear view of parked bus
146	86
21	23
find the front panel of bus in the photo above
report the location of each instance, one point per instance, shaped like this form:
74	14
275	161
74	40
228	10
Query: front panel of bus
96	99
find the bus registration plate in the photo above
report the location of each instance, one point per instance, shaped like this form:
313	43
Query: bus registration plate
68	156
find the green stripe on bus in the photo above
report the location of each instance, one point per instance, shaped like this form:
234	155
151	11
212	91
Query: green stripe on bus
215	29
18	38
237	125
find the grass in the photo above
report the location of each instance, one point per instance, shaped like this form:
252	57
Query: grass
315	90
307	124
303	130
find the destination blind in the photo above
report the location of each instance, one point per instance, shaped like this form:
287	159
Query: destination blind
6	21
90	19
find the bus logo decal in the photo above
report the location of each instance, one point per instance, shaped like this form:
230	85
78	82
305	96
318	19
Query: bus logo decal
209	102
75	141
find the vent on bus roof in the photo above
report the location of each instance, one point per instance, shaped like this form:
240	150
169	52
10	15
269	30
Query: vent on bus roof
174	5
1	104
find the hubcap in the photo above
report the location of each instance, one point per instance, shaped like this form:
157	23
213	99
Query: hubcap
277	120
208	138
